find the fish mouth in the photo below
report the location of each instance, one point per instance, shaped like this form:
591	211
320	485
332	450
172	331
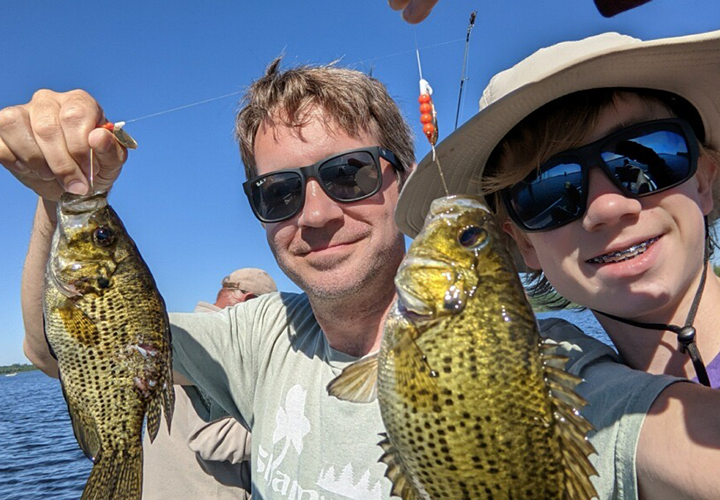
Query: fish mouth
622	255
66	289
80	204
413	307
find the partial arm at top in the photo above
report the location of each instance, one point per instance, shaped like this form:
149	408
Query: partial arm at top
413	11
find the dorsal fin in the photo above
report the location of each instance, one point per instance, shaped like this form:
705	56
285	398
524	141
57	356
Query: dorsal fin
573	428
168	390
168	400
153	418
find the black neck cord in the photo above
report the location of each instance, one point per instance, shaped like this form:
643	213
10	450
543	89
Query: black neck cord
686	334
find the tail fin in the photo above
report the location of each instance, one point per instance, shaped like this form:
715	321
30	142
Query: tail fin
116	476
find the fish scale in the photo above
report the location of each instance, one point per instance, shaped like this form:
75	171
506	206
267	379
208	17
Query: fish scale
475	405
107	326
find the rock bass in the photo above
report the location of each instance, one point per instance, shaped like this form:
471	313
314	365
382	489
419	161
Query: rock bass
476	405
107	325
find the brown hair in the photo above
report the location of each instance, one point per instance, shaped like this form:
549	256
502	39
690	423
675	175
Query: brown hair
353	100
560	125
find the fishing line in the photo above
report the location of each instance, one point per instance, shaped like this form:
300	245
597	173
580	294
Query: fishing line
404	52
92	171
471	25
172	110
225	96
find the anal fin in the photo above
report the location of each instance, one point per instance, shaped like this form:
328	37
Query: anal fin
402	487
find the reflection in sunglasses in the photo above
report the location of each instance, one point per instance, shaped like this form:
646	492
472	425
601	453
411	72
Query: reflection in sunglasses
640	160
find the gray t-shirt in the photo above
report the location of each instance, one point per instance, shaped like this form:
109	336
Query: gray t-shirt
618	399
270	368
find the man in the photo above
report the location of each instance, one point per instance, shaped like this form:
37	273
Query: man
331	228
204	457
240	285
634	253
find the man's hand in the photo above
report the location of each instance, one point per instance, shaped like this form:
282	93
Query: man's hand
46	144
413	11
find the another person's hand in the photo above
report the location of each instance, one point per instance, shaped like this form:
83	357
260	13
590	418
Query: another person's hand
413	11
46	144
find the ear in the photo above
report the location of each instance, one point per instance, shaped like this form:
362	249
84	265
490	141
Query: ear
706	175
524	245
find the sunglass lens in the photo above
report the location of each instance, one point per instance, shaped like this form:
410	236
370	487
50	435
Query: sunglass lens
551	199
277	196
653	161
351	177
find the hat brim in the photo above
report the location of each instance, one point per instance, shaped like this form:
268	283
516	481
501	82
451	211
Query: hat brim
688	66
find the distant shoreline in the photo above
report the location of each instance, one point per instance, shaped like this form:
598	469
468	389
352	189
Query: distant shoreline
16	368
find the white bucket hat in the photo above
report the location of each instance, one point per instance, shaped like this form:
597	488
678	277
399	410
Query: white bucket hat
688	66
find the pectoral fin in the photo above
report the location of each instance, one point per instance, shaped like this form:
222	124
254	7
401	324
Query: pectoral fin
84	428
357	382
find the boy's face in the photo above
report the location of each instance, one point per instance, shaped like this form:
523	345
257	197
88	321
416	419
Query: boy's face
669	226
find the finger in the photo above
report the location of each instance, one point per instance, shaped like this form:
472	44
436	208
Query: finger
7	158
110	156
50	189
79	115
398	4
49	135
418	10
21	152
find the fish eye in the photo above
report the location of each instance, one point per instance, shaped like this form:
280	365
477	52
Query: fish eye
103	236
473	237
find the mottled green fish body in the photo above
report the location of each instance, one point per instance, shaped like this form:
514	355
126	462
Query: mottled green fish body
107	325
475	404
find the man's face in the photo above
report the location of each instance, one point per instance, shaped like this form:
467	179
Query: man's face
227	297
645	286
331	249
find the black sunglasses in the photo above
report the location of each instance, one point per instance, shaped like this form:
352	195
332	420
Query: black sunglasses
641	160
345	177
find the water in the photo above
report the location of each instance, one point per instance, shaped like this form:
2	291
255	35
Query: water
39	457
583	320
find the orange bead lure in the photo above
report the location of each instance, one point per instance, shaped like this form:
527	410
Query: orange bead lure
428	116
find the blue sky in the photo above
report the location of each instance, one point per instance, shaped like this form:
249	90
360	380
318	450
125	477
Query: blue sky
180	194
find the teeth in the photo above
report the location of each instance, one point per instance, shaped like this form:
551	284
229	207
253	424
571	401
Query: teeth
626	254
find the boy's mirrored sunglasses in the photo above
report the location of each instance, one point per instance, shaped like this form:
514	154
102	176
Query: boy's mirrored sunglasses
345	177
640	160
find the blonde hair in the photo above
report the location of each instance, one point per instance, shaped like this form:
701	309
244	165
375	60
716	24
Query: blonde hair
556	127
351	99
